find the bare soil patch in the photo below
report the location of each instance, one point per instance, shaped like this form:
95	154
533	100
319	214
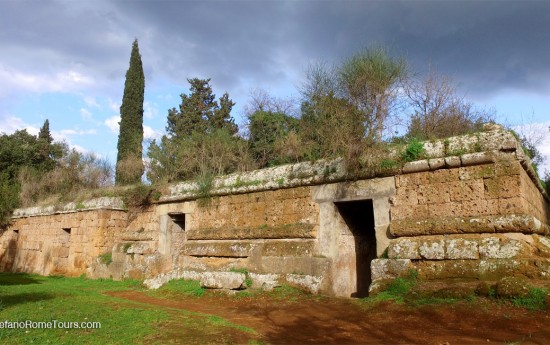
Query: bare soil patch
321	320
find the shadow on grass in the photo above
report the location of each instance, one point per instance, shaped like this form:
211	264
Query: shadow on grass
7	301
17	279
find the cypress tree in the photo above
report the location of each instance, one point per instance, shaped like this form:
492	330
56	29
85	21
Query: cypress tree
129	166
44	133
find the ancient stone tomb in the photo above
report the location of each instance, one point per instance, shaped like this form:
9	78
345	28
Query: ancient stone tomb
471	209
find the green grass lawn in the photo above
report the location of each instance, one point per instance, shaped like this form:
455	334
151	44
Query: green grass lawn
43	299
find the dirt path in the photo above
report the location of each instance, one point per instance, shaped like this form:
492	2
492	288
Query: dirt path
341	321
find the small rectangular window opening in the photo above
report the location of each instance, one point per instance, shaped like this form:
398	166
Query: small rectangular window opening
67	230
16	232
178	219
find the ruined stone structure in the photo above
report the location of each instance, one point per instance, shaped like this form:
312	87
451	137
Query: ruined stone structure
473	209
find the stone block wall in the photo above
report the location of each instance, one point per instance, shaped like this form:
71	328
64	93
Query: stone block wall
493	197
484	219
265	232
62	243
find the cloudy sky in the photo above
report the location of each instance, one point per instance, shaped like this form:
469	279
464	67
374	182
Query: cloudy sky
65	60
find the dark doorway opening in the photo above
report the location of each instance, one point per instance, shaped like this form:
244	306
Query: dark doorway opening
178	219
359	217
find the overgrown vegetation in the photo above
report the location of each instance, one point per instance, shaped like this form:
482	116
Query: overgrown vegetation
413	151
438	112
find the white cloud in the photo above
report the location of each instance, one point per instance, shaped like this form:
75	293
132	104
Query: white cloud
91	102
112	123
150	133
114	106
86	114
64	81
65	135
79	148
77	132
538	133
149	110
10	124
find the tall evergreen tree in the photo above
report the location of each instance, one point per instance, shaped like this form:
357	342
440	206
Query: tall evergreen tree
129	167
44	133
199	112
47	150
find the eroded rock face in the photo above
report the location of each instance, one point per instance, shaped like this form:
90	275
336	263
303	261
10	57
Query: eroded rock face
222	280
510	287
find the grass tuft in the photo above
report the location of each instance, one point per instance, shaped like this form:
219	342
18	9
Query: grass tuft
181	287
535	300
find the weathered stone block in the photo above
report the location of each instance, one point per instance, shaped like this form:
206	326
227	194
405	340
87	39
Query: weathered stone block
432	249
389	268
222	280
403	248
308	282
451	209
295	230
219	248
288	248
511	287
405	196
416	166
436	193
497	248
436	163
284	265
413	179
481	224
265	282
477	158
409	212
502	187
466	190
452	162
480	207
515	205
461	249
443	176
142	248
507	167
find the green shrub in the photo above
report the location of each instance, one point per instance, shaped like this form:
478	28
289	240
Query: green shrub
414	150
